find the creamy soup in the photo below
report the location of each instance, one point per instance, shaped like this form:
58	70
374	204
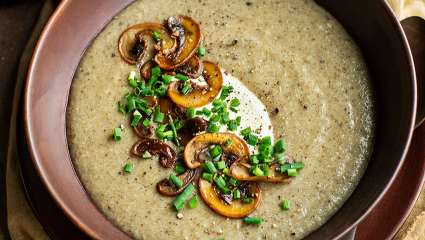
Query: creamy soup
294	57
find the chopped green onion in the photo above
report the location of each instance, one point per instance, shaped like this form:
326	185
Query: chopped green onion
201	51
228	142
233	181
285	205
297	165
213	127
179	168
252	220
221	184
225	92
156	36
279	146
174	131
176	181
117	134
254	159
217	102
292	172
215	151
246	131
221	165
206	112
158	117
132	79
235	102
267	140
146	155
285	167
238	120
247	200
209	167
190	112
236	194
280	158
180	200
226	170
121	108
207	176
251	139
146	122
193	202
215	118
167	78
182	77
131	104
137	116
266	170
257	171
186	89
232	125
128	167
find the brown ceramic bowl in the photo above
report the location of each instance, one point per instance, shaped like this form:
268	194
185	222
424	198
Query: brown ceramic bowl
75	23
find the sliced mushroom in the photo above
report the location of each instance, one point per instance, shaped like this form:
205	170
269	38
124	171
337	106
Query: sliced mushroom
236	209
198	144
240	170
167	156
197	98
151	101
146	69
169	108
193	68
167	188
188	35
143	132
137	46
191	128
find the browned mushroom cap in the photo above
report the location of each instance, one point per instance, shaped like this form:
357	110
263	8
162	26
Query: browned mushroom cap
196	147
235	208
167	188
143	132
240	170
136	44
169	108
197	98
146	70
193	67
188	35
191	128
167	156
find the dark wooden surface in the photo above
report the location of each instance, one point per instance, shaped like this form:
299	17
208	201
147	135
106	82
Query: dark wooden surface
16	22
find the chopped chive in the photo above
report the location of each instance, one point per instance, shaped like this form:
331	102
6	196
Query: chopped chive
193	202
117	134
246	131
221	184
221	165
207	176
266	170
199	112
228	142
213	127
236	194
284	167
225	92
235	102
206	112
280	158
257	171
292	172
176	181
216	151
182	77
247	200
201	51
156	36
167	78
225	118
132	79
146	122
251	139
285	205
279	146
158	117
121	108
174	131
232	125
267	140
254	159
128	167
297	165
233	109
226	170
180	200
215	118
252	220
186	89
137	116
238	120
209	167
179	168
146	155
190	113
131	104
233	181
217	102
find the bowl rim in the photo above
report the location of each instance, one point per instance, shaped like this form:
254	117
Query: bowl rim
34	101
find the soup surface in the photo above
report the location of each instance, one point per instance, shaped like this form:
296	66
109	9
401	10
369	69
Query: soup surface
294	56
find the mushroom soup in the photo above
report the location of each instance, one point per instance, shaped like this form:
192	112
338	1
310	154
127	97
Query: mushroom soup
230	119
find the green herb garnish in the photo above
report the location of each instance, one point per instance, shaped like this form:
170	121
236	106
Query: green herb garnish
117	134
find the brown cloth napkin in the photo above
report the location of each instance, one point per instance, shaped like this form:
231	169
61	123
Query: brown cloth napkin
22	222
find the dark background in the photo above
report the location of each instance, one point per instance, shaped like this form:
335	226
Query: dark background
17	19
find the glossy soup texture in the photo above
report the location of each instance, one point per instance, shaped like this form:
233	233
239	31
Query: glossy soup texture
294	56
